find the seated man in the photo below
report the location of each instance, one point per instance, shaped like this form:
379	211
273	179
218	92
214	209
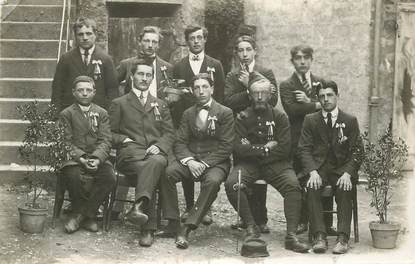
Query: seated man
88	175
329	150
143	133
261	151
202	150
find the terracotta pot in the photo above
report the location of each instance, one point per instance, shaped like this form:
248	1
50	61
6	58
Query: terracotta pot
384	235
32	220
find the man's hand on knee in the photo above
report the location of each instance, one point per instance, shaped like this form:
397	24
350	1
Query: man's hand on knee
153	150
344	182
315	181
196	168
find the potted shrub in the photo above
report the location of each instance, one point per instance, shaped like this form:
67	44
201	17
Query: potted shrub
43	149
382	163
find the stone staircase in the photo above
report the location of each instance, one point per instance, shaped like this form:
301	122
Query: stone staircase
29	39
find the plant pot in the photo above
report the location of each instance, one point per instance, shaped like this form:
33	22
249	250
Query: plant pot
32	220
384	235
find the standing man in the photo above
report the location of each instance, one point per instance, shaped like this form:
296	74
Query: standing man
299	98
237	98
261	150
85	59
330	150
88	175
143	133
202	150
196	62
148	45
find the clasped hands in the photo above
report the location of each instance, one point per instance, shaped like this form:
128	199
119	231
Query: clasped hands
315	182
90	164
269	145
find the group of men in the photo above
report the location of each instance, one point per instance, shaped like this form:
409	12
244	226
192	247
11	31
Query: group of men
161	142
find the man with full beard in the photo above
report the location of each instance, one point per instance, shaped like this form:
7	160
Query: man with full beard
261	151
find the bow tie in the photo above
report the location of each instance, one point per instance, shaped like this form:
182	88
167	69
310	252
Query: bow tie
199	108
195	57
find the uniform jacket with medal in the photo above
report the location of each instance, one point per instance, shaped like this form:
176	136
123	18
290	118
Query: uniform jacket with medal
314	145
88	134
212	145
130	119
70	66
259	128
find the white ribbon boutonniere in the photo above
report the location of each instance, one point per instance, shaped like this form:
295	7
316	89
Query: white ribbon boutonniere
97	69
211	70
340	135
93	119
157	114
212	125
270	133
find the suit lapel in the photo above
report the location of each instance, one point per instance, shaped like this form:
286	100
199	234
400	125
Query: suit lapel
77	60
135	102
339	120
203	67
322	127
158	75
82	117
297	82
188	69
150	99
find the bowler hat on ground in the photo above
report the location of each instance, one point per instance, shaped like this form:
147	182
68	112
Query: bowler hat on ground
254	248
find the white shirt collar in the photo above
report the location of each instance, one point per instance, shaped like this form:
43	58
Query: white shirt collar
209	103
138	93
250	66
85	108
334	113
201	56
307	76
90	51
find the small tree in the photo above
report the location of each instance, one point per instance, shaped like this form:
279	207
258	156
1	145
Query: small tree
42	132
383	161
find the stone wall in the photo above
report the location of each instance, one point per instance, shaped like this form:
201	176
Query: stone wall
338	30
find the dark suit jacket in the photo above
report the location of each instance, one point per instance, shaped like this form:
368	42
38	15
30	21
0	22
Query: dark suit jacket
83	138
296	111
236	96
70	66
253	127
124	73
130	119
314	144
213	150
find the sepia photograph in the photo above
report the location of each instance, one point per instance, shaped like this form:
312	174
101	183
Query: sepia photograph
207	131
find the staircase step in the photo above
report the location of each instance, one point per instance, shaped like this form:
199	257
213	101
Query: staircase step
15	173
25	87
26	48
12	129
37	2
33	13
8	106
27	67
30	30
9	152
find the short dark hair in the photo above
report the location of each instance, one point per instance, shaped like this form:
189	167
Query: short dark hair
83	78
83	21
324	84
140	62
245	38
150	29
193	28
203	76
306	49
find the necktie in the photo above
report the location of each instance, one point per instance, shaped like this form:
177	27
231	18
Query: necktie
305	84
141	98
195	57
86	55
329	124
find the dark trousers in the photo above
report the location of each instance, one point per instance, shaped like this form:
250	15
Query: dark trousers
210	182
145	175
88	190
283	180
343	201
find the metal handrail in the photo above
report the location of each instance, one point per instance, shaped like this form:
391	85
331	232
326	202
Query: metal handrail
61	30
68	19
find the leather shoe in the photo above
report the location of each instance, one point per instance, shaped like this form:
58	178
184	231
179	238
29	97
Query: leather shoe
182	239
147	238
320	243
240	225
301	228
264	229
184	216
73	223
136	215
90	224
170	230
331	231
292	243
252	231
342	245
207	219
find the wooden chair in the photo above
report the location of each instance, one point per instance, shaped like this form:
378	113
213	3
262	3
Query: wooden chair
328	192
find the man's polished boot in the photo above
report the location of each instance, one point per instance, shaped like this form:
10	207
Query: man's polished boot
170	230
147	238
207	219
342	245
136	215
182	239
292	243
74	223
320	243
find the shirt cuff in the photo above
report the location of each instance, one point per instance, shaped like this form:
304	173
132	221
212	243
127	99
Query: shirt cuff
185	160
207	165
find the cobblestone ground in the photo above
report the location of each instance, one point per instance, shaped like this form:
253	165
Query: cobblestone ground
213	244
